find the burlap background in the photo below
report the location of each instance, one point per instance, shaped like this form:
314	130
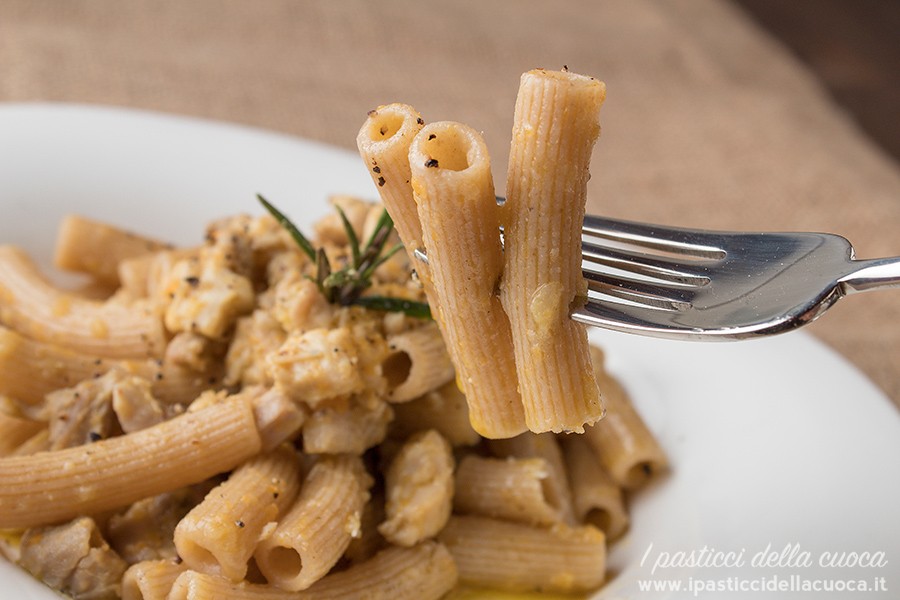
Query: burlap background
708	121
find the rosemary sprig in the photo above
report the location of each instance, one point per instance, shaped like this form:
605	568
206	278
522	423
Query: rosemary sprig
346	286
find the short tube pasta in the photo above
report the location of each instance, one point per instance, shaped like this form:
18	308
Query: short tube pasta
512	556
423	572
444	410
418	362
597	499
30	369
49	487
29	304
554	130
316	530
219	535
546	447
454	192
626	448
515	489
383	143
151	579
96	248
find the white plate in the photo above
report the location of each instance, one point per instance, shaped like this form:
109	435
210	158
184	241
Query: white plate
777	443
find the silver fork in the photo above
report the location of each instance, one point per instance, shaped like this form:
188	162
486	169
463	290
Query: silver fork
714	285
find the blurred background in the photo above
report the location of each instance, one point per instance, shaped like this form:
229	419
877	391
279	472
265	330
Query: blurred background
739	114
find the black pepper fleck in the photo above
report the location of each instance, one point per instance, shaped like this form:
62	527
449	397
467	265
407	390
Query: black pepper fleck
431	163
420	121
94	436
239	523
432	136
376	169
380	181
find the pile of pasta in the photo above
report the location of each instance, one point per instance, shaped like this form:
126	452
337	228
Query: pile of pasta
202	422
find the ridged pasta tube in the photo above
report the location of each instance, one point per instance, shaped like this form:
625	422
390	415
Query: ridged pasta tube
454	192
555	126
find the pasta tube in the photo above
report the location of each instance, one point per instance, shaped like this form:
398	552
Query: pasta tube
151	579
383	143
622	442
29	304
555	126
424	572
49	487
454	192
444	410
418	363
220	534
546	447
511	556
314	533
596	497
514	489
95	248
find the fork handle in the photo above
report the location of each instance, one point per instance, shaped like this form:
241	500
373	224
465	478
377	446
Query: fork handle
872	274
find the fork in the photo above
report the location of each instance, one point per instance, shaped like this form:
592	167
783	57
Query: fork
690	284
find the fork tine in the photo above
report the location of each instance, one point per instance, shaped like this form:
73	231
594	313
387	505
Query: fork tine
642	264
643	235
642	292
627	318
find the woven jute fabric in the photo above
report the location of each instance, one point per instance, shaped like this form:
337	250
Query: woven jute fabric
708	121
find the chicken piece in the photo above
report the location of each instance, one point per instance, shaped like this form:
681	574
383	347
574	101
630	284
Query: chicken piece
299	305
255	338
317	365
419	488
74	559
350	427
206	297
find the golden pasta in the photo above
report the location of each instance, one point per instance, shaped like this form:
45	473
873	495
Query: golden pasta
97	249
515	489
624	445
30	305
313	534
220	534
151	579
554	129
454	192
53	486
383	143
597	499
424	571
516	557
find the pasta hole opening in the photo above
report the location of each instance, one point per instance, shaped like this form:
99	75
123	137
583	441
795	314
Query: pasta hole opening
600	518
198	555
384	125
396	368
284	561
639	473
447	149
